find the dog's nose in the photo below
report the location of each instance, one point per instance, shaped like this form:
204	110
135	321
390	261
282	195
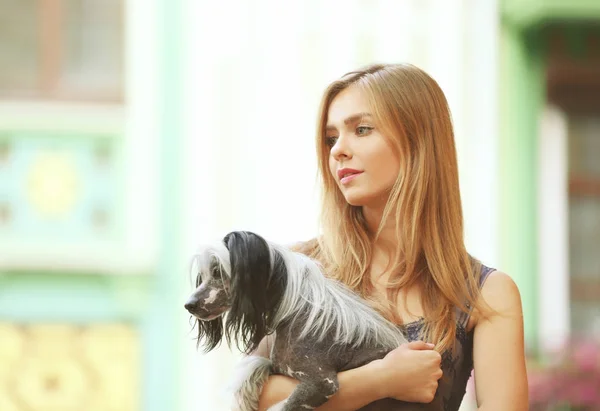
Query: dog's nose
190	304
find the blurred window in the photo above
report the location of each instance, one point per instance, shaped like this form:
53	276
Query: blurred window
62	49
573	83
584	221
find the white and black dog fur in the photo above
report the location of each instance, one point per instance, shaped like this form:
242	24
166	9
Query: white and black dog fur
321	326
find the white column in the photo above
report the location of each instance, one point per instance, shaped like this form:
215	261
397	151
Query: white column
480	159
553	235
141	135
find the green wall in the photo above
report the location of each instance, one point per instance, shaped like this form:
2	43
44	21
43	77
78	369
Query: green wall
522	94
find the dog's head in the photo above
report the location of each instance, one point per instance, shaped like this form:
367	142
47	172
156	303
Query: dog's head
212	296
243	276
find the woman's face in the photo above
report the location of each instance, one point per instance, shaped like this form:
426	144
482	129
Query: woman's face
361	160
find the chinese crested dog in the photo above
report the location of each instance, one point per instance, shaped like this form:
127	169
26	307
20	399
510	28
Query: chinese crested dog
248	288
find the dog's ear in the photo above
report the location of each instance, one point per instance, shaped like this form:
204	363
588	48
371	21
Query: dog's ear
252	306
277	282
210	333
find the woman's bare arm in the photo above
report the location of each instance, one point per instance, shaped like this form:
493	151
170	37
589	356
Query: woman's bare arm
410	373
498	349
358	387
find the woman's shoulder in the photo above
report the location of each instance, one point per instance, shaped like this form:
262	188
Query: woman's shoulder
500	294
306	247
500	290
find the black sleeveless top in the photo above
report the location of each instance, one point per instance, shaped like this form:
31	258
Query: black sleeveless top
457	364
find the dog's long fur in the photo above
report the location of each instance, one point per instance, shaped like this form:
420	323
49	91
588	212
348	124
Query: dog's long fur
321	326
245	387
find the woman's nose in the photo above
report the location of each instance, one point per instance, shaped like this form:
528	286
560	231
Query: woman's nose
341	149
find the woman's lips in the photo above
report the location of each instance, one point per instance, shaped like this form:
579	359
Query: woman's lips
348	178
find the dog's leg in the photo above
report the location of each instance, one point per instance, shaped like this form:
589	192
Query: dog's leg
312	392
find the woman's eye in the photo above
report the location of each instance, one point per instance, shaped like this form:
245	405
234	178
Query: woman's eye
330	141
363	130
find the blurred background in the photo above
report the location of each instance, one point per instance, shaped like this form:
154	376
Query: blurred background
131	131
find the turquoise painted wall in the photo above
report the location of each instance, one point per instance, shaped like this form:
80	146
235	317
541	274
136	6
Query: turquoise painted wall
148	301
162	360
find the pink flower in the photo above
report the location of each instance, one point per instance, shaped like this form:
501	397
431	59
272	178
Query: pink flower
572	378
586	356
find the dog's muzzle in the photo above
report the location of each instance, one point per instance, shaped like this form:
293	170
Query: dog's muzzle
193	306
200	312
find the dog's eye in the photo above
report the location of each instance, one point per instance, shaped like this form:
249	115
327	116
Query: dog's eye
215	267
216	271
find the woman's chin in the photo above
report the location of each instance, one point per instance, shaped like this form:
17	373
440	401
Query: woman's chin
355	201
373	201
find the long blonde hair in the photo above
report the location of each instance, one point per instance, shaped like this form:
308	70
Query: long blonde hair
411	110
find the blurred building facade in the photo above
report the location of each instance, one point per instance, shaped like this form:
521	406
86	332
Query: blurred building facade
88	234
550	164
132	131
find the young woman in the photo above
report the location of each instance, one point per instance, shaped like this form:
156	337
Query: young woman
392	229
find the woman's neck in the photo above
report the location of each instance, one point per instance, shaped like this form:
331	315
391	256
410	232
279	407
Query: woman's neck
387	237
384	246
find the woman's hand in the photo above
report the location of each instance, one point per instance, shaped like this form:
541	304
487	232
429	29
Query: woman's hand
410	372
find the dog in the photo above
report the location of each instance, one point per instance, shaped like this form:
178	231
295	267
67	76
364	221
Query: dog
248	288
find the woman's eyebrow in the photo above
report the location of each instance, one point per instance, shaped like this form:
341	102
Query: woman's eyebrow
352	119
